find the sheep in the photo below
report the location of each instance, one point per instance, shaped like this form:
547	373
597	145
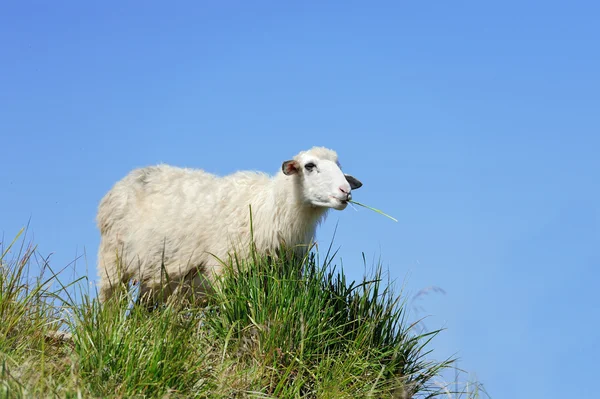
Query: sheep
184	221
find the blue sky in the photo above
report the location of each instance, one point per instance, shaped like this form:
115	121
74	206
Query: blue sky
477	125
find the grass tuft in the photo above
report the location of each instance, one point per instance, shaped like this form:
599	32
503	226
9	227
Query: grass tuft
274	327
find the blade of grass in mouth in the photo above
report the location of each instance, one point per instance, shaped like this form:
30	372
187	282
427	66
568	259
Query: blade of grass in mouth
373	209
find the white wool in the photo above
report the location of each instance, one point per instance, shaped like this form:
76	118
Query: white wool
177	220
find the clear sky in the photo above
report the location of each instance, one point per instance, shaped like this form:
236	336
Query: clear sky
477	125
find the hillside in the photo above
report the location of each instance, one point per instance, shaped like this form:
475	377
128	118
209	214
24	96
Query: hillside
273	329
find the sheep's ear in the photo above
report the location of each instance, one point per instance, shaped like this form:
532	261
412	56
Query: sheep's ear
354	182
289	167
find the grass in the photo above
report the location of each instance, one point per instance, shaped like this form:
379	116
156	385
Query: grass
273	328
374	210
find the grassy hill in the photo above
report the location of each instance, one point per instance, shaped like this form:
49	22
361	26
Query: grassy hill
273	329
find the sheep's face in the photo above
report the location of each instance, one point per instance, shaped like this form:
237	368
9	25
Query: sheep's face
320	179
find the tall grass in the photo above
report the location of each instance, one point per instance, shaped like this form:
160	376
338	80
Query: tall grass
279	327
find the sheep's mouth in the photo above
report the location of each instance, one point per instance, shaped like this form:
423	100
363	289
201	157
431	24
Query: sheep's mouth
343	202
340	199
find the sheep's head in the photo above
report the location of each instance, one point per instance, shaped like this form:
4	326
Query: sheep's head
320	178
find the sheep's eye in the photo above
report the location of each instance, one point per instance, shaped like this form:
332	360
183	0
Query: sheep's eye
309	166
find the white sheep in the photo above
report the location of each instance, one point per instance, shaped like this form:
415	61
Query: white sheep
182	221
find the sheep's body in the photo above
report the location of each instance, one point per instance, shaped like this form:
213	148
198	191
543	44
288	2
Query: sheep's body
167	219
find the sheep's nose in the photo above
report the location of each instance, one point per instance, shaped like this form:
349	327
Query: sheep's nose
346	191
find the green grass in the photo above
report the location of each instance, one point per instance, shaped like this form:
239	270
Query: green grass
273	328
